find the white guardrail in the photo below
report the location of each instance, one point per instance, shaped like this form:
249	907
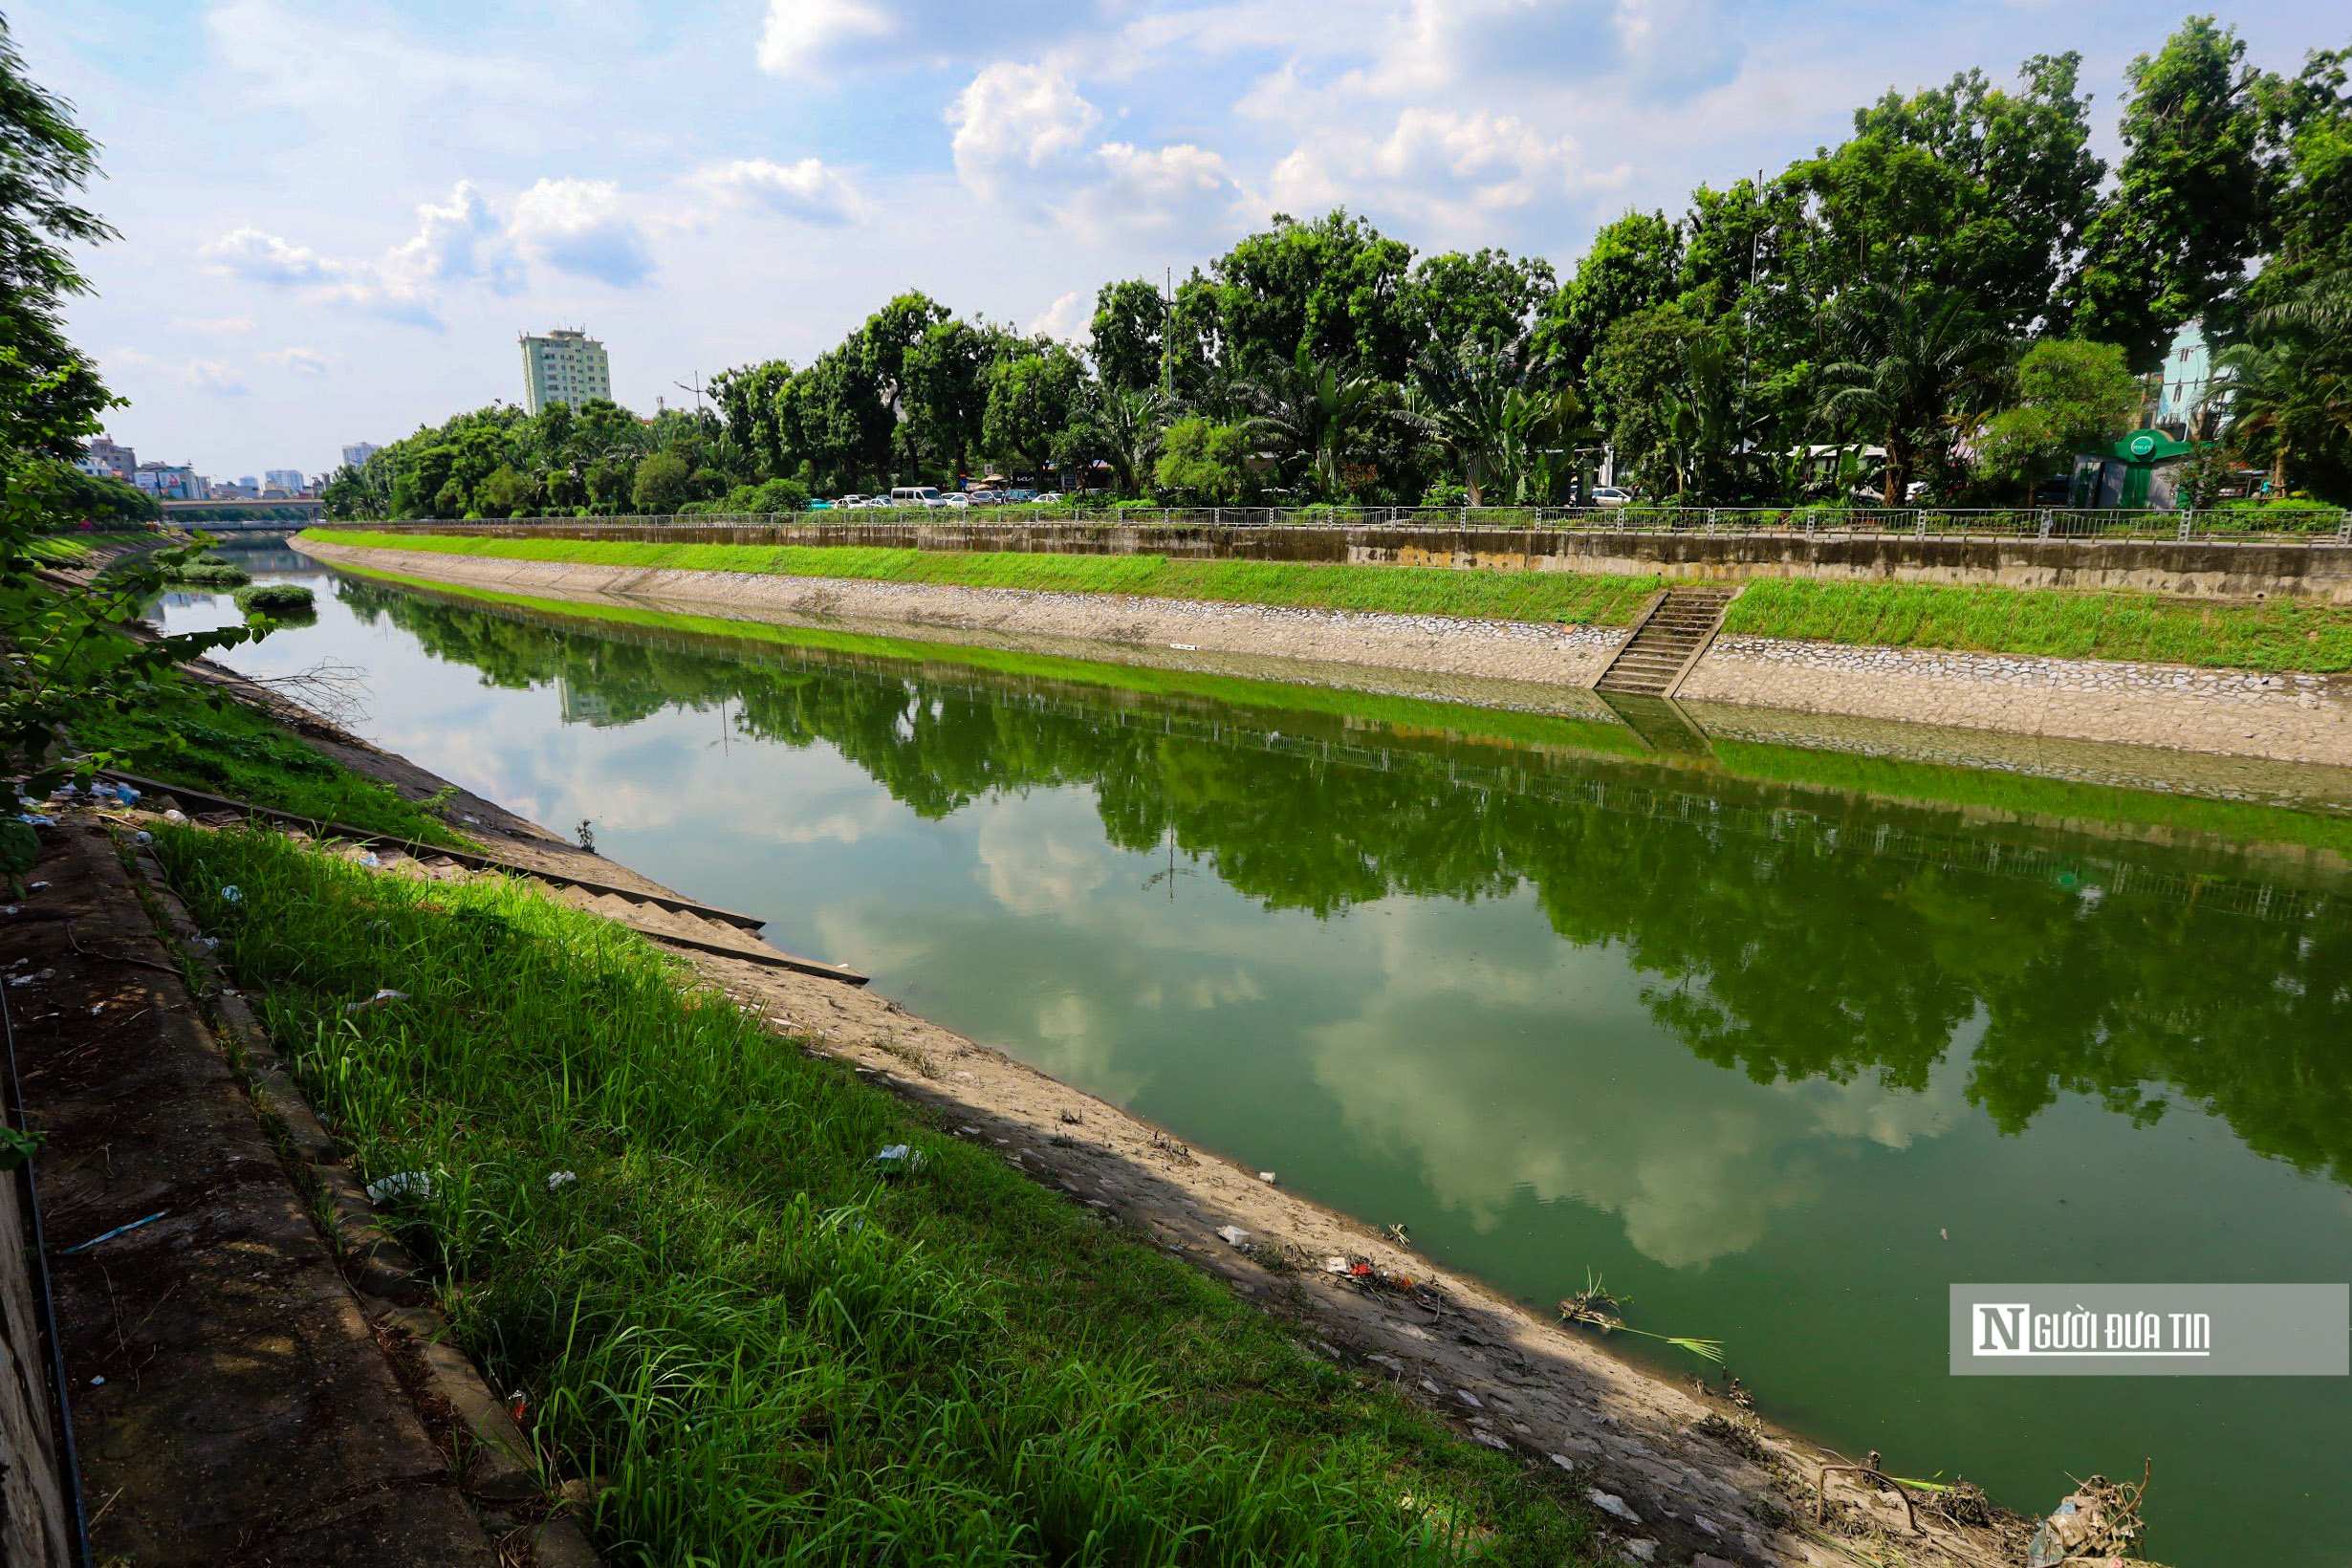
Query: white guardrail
2211	524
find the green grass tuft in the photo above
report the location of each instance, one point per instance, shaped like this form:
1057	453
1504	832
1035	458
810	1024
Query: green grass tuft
774	1353
2279	634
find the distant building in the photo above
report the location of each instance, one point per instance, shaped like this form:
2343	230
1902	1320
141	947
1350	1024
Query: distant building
2186	402
289	480
102	456
565	366
167	480
357	454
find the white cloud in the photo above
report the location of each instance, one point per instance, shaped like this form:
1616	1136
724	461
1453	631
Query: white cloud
1013	117
1167	183
1440	167
216	324
457	241
302	362
207	375
806	190
1070	318
261	257
799	36
578	226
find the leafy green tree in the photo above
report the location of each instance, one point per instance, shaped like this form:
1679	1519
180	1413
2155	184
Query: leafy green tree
1204	462
946	392
1122	426
660	487
1032	403
2290	392
2192	195
1334	286
1489	296
2070	396
1632	265
2311	127
1129	330
1639	384
503	492
1913	360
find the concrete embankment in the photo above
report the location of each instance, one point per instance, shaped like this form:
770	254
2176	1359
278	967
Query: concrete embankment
2317	569
2280	717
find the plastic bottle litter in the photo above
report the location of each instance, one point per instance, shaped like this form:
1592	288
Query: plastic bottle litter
175	814
382	998
232	894
899	1156
405	1184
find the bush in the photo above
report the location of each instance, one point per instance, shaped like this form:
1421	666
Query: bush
276	599
212	573
1446	495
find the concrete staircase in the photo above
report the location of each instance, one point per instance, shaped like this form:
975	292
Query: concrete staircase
1667	642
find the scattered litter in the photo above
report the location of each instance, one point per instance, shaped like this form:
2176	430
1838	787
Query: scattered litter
37	819
1265	1176
1186	647
97	1382
899	1156
405	1184
1611	1504
382	998
1565	1461
558	1180
232	894
968	1132
1944	1233
1365	1274
2099	1518
36	886
116	1232
370	858
1235	1236
1491	1441
142	838
175	814
208	943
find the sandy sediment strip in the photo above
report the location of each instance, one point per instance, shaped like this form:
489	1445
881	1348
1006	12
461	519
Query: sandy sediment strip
1571	656
2283	717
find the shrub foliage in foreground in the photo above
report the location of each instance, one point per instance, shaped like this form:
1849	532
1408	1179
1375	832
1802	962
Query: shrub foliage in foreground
776	1354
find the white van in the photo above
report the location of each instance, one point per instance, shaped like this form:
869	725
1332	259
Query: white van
917	495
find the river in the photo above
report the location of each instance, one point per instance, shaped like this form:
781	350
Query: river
1779	1044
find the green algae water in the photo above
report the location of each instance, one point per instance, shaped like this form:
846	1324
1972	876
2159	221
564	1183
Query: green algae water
1777	1042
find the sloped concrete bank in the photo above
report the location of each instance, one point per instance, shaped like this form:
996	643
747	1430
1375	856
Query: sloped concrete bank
2288	718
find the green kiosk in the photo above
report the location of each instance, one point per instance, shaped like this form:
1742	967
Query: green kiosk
2143	470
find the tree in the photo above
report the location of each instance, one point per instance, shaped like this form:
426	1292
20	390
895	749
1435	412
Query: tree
1334	286
2192	195
1321	414
1641	391
1032	402
1124	424
1490	296
944	374
2071	396
2311	126
1913	356
1129	330
2290	392
661	483
1632	265
1203	461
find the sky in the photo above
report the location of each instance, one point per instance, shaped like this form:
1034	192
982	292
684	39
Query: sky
336	218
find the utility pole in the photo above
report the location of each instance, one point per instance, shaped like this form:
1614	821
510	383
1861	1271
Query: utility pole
1167	336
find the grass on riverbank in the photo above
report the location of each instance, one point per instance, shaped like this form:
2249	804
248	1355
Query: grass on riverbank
2273	635
1568	597
774	1352
210	742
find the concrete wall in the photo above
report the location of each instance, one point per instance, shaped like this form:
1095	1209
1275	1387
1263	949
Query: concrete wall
2204	567
34	1529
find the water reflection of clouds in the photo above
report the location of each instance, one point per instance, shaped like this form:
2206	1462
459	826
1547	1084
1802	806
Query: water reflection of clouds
1502	1062
1041	852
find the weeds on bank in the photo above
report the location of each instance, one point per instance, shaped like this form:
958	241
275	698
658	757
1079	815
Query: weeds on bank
226	748
664	1227
1594	599
2271	634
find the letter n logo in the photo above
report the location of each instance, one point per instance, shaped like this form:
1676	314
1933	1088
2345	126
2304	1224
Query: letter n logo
2000	1329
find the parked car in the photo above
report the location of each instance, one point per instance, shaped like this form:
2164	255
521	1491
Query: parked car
1610	496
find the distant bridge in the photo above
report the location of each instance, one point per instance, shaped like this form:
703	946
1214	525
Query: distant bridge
208	514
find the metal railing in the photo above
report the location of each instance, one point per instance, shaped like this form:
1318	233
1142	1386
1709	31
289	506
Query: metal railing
2203	525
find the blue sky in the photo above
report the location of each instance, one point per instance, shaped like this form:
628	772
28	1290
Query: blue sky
335	218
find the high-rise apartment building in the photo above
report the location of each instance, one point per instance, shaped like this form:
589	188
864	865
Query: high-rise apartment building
357	454
567	365
289	480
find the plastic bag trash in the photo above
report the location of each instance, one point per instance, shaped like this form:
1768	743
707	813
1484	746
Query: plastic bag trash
175	814
208	943
382	998
232	894
559	1180
1235	1236
37	819
1611	1504
369	859
405	1184
897	1157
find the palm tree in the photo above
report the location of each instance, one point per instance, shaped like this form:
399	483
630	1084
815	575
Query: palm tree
2288	388
1913	357
1321	413
1126	423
